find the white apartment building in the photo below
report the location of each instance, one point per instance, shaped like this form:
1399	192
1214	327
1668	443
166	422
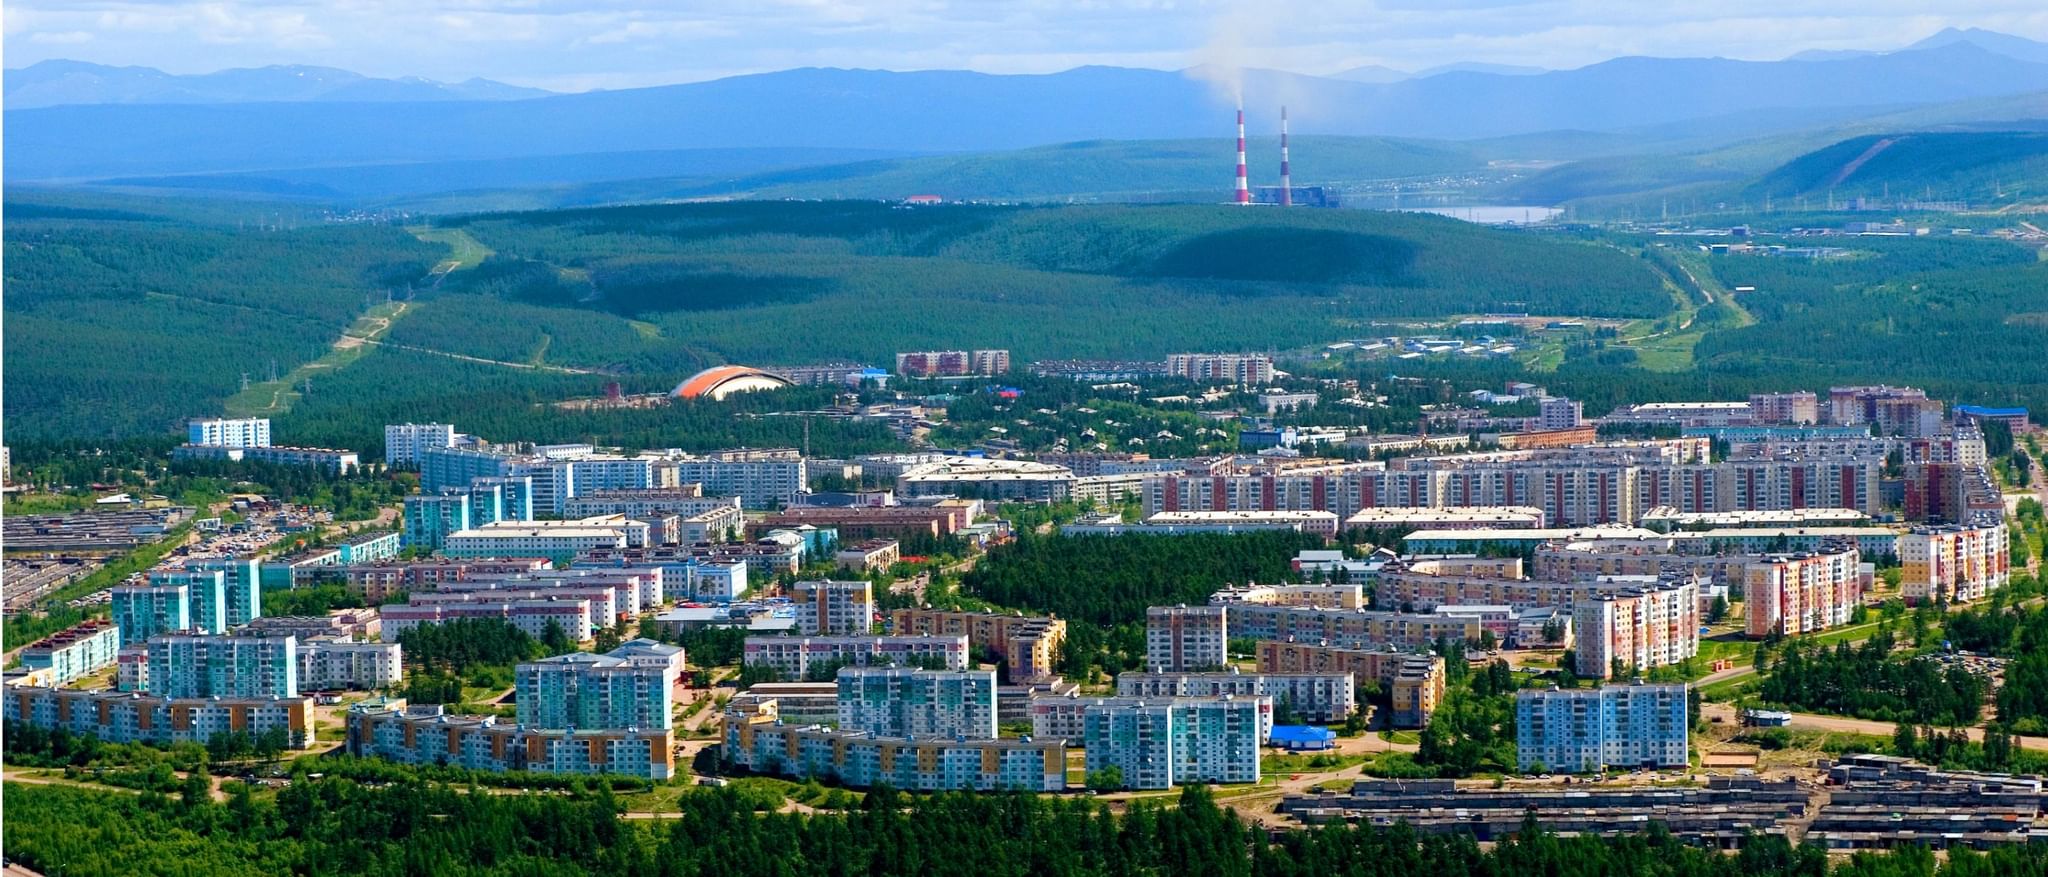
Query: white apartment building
834	608
251	432
1656	625
403	442
917	703
760	478
1307	697
1611	726
794	656
1557	412
1187	638
555	540
330	664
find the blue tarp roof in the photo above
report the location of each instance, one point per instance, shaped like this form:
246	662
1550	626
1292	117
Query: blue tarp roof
1302	734
1981	411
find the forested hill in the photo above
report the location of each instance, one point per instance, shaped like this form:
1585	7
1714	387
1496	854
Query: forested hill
555	303
1976	166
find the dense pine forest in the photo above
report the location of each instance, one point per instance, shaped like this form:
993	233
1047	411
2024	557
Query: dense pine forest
335	826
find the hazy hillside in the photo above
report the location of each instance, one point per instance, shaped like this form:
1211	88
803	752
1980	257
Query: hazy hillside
941	111
1977	166
56	83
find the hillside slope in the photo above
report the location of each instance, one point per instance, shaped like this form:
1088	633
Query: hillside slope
1963	165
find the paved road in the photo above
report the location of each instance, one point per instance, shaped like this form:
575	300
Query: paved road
1816	722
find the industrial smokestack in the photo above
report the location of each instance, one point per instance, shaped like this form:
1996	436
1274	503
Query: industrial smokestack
1244	189
1286	178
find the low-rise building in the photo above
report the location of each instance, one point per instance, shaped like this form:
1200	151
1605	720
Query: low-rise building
869	555
763	745
133	717
1612	726
427	735
75	651
1029	646
795	656
1297	697
1414	682
555	540
1449	518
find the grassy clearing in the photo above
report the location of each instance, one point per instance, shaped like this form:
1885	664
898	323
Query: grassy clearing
465	252
271	398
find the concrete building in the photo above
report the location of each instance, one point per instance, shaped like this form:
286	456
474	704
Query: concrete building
763	745
251	432
332	664
794	656
338	624
1350	628
1655	625
834	608
404	442
1415	682
1322	524
1621	726
1900	411
1954	564
1449	518
1251	369
163	606
1791	594
239	666
1297	697
760	478
327	459
917	703
953	363
1029	646
555	540
241	586
1165	742
430	518
427	735
131	717
532	616
1802	407
74	652
868	555
444	468
1187	638
1557	412
630	687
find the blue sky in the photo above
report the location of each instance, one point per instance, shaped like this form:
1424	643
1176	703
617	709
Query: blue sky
581	44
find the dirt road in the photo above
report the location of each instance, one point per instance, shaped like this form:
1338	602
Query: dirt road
1843	724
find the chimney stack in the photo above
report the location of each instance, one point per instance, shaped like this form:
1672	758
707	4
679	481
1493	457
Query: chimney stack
1244	190
1286	178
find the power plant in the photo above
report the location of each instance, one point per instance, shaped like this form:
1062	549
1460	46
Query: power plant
1285	194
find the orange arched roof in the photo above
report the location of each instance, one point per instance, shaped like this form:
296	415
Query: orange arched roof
705	382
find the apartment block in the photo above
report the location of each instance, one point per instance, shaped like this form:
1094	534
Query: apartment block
794	656
240	666
130	717
1344	596
1187	638
917	703
953	363
1622	726
532	616
760	478
427	735
241	586
331	664
763	745
1802	407
373	582
163	606
1242	369
1415	682
834	608
1351	628
1306	697
328	459
1029	646
556	540
1165	742
444	468
252	432
403	442
76	651
1802	593
631	687
1955	563
1655	625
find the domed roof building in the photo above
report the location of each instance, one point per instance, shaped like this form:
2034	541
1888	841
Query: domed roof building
721	381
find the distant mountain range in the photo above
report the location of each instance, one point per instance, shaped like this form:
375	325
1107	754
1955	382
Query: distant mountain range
57	83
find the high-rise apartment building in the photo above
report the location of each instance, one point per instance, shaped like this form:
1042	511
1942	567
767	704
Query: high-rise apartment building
1801	407
1164	742
1611	726
241	587
162	606
917	703
251	432
1802	593
834	608
403	442
632	687
1187	638
794	656
1954	563
1249	369
230	666
1655	625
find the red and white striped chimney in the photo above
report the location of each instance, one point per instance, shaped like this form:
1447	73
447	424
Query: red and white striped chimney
1244	189
1286	178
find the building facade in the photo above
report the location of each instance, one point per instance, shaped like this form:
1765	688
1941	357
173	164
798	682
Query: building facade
1623	726
68	654
404	442
1165	742
1656	625
1792	594
237	666
251	432
834	608
763	745
132	717
795	656
429	736
1187	638
918	703
1297	697
1954	564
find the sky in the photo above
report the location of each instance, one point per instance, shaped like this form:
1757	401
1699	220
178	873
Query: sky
575	45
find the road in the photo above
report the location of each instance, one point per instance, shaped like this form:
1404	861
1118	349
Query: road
1843	724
